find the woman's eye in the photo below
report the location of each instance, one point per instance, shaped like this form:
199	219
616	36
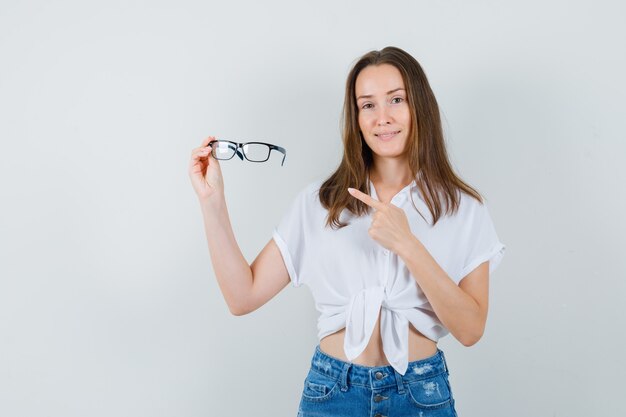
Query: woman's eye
365	106
397	98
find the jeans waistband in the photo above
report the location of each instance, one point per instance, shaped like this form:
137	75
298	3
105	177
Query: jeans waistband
376	377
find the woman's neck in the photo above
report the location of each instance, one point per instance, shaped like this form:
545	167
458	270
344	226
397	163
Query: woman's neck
391	174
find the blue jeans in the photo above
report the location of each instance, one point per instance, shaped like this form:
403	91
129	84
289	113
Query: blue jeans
337	388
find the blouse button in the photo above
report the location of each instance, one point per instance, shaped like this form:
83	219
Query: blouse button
386	252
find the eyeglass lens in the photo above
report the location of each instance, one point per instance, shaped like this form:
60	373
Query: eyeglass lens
256	151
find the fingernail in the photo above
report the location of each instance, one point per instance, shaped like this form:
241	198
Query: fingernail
350	190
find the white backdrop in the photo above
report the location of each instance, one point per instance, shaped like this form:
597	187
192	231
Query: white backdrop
108	302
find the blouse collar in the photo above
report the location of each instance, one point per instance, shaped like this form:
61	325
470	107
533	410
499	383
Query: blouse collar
400	197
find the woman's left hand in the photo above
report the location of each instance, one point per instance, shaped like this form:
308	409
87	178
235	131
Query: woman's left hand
390	226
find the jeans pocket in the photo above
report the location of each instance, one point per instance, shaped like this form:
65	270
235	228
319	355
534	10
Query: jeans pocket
319	387
430	393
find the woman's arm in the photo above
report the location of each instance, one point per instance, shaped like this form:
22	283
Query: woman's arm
461	308
245	288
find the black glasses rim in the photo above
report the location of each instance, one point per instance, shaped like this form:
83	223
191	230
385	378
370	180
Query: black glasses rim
241	144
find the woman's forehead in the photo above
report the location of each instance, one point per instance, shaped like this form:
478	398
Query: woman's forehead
375	80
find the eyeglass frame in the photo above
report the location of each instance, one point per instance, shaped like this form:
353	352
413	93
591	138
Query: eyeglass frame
241	144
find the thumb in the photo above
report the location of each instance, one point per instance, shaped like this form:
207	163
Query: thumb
214	172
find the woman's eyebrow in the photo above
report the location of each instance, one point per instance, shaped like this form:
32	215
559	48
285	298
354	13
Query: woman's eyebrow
388	92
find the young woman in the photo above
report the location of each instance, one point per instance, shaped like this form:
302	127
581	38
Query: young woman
396	249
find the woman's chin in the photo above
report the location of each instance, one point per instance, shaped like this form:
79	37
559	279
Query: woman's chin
388	149
388	154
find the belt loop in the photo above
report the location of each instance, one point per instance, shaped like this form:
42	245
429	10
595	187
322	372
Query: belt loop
344	376
445	365
399	382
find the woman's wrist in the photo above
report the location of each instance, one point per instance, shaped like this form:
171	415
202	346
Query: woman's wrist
213	205
408	247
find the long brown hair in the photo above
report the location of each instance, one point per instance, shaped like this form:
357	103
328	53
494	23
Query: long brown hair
428	159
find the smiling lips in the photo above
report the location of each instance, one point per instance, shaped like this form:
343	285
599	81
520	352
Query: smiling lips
387	136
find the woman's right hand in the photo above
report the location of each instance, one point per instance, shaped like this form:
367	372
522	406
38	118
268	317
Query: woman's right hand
205	173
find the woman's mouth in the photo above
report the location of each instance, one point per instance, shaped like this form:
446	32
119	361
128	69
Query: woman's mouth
387	136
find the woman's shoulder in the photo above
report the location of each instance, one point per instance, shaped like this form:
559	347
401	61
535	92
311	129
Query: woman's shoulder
469	201
471	209
469	206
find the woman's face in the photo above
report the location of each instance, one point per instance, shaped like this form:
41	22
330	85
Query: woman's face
384	115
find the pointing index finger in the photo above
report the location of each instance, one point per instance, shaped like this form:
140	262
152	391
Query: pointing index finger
367	199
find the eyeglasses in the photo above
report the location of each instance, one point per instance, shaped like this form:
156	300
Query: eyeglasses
252	151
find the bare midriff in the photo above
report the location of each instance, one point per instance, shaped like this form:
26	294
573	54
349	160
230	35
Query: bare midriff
420	347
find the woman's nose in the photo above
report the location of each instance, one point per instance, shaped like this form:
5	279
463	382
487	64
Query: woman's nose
383	117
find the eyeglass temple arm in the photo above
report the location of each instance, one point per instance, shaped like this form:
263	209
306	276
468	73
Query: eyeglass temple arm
280	149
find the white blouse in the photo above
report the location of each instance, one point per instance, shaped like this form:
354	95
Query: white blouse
352	277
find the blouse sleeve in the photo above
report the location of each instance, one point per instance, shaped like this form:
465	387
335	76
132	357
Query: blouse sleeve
483	244
289	237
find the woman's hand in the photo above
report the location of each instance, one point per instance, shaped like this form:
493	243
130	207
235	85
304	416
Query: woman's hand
390	226
205	173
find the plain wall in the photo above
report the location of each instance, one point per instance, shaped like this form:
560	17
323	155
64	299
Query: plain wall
108	302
